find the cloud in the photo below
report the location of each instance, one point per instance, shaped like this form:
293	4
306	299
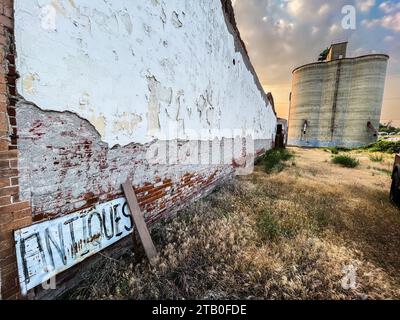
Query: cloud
314	30
365	5
390	21
287	33
389	6
281	35
282	26
296	7
388	38
334	28
324	9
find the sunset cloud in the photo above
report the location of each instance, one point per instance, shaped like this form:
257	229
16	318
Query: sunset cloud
283	34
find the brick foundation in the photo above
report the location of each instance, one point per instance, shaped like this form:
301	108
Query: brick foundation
14	214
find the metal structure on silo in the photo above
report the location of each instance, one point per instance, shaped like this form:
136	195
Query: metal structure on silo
338	100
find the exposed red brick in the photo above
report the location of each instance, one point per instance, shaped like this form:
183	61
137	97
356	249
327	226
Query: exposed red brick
6	217
155	197
4	164
5	200
12	215
147	187
3	144
9	270
22	216
9	281
8	173
8	191
16	224
8	154
5	182
7	244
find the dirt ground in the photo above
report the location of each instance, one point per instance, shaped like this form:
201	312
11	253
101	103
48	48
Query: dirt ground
312	231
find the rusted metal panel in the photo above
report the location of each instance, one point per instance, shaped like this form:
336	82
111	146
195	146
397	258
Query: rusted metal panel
48	248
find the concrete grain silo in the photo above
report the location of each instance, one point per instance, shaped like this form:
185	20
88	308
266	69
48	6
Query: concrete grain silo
338	101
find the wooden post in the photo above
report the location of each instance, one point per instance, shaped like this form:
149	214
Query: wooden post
135	244
139	222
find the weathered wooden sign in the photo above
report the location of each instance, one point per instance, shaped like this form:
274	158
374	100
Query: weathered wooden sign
48	248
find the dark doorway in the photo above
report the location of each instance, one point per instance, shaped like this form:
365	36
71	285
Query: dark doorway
280	137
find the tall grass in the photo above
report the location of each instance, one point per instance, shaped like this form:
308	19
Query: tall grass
268	237
376	158
273	160
268	226
272	245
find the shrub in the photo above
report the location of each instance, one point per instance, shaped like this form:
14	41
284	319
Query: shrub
269	226
334	150
273	159
376	158
384	146
346	161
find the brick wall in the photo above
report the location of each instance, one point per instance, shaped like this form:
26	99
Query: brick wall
66	167
14	214
54	163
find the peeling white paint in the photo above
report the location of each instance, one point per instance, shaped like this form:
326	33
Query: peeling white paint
29	83
158	60
126	123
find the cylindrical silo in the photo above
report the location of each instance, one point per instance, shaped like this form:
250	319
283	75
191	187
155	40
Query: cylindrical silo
338	102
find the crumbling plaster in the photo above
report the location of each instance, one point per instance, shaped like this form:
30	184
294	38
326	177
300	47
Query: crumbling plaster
138	70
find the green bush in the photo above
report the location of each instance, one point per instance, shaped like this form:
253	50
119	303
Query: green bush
346	161
273	159
384	146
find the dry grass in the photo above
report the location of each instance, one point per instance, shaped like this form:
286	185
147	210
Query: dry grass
286	235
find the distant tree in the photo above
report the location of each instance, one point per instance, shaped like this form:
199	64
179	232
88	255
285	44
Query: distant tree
323	55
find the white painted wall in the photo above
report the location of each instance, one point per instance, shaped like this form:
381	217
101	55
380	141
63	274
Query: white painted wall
135	68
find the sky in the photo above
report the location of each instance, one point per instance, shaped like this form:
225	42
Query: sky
283	34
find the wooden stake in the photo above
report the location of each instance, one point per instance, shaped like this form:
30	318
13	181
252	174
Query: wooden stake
136	245
139	222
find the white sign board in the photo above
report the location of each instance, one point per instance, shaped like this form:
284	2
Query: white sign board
48	248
